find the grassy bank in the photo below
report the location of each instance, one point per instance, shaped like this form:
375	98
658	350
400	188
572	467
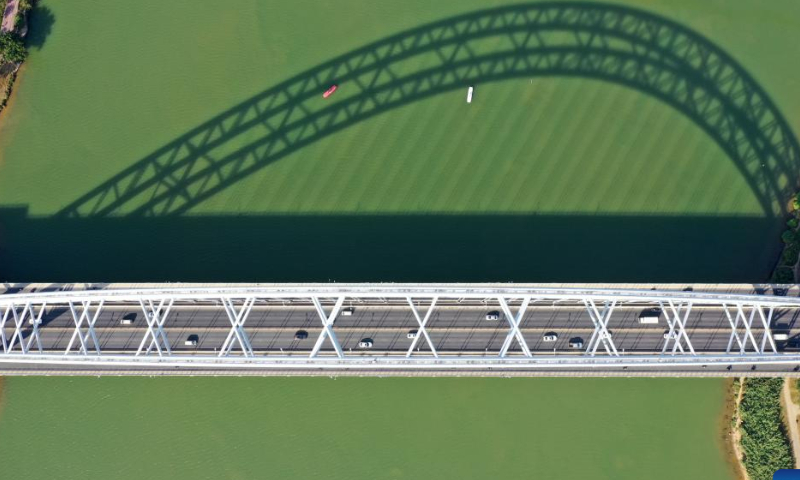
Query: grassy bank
763	435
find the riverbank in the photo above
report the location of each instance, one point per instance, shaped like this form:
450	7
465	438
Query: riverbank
731	428
14	29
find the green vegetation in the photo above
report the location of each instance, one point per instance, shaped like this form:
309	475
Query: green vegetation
362	428
790	254
766	447
12	48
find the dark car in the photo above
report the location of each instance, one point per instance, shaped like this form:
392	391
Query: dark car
300	335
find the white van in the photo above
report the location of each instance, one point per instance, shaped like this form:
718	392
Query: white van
650	316
781	337
348	312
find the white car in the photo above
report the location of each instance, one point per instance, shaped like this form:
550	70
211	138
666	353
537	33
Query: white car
412	334
550	337
365	343
667	335
348	312
492	316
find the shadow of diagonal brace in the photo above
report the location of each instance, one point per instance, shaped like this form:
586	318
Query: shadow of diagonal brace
610	43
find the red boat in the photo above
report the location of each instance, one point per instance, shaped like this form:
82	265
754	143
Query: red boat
329	91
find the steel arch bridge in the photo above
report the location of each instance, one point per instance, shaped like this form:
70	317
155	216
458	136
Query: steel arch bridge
80	328
610	43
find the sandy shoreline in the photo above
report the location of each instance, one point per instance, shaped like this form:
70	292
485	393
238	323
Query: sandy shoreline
730	428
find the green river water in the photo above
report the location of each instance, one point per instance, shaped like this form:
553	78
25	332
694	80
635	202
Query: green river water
541	179
359	429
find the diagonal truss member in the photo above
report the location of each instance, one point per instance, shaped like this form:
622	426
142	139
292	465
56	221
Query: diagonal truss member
422	322
237	332
747	322
155	316
17	338
600	322
84	327
513	330
327	327
677	327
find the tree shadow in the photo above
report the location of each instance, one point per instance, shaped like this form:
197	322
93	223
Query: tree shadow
617	44
41	25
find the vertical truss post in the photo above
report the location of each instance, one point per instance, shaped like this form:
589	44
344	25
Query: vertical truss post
514	331
155	327
422	322
327	324
600	321
681	336
237	320
82	336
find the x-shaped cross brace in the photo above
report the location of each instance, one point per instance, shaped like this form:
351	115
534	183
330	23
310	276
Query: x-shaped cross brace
513	322
674	321
600	322
237	320
155	327
79	333
327	324
748	334
748	325
422	322
19	325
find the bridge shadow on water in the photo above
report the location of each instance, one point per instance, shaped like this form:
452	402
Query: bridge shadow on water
432	248
138	217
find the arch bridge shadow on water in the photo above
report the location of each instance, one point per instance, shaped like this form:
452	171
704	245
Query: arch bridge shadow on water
605	42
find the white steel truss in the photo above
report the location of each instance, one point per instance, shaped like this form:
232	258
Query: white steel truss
237	332
19	326
674	320
514	321
82	335
422	322
33	327
747	322
155	327
600	321
327	324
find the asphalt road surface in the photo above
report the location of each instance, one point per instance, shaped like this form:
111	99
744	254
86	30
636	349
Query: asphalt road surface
462	329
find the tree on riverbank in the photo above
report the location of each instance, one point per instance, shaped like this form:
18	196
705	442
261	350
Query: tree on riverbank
766	447
12	48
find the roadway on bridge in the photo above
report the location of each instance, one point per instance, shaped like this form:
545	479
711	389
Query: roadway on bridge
453	329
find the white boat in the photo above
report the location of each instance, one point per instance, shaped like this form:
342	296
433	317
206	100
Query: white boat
469	94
